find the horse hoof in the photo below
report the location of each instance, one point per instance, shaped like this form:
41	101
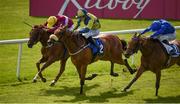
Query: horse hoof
52	83
94	75
124	90
34	81
124	70
43	79
91	77
133	71
114	74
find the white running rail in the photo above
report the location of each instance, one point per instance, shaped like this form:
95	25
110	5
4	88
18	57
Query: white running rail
21	41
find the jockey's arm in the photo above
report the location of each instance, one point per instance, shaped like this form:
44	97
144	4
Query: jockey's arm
78	24
159	32
90	23
53	29
146	30
59	24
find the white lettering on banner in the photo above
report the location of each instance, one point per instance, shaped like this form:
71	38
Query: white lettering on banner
112	4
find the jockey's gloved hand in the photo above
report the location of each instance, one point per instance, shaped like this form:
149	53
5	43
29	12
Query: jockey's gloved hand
76	31
140	33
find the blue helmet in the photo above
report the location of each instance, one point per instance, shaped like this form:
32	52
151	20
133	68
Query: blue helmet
156	25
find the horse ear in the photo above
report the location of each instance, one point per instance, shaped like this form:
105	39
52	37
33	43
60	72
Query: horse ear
139	35
135	34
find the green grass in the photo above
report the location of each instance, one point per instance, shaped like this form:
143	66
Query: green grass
102	89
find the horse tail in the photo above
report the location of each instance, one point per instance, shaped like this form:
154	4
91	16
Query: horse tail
124	44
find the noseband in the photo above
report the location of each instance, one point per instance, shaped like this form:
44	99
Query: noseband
135	50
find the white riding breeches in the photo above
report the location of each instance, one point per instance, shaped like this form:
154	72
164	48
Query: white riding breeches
168	37
71	28
92	33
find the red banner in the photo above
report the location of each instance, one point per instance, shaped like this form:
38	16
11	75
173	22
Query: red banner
119	9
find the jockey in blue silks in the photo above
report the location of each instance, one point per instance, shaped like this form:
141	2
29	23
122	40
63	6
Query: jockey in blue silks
91	25
163	31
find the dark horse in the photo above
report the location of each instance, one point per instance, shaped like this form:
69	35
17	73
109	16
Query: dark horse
154	57
81	55
49	54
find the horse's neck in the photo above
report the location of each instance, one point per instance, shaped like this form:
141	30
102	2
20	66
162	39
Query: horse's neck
44	38
146	46
73	41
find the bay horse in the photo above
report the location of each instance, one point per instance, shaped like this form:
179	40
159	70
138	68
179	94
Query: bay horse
154	57
57	52
49	54
81	55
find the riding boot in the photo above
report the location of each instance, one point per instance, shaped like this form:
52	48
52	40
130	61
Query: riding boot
166	42
91	40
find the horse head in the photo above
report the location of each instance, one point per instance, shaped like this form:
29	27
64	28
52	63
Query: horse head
133	45
35	35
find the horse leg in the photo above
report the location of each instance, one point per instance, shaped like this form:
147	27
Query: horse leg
112	73
82	77
49	62
138	74
91	77
132	71
158	77
42	60
63	63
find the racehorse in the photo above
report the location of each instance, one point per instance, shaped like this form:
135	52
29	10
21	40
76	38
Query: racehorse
154	57
49	54
81	54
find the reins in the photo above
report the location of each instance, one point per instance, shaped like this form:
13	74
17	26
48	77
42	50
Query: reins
78	51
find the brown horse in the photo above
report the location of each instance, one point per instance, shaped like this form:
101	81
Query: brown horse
81	55
154	57
49	56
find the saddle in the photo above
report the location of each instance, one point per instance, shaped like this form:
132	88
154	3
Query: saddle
171	49
94	49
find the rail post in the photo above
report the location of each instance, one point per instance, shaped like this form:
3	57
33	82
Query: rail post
19	62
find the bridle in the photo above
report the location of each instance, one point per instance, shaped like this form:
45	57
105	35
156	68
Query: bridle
137	47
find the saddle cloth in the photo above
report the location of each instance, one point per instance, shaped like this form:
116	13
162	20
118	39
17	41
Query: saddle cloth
94	49
172	49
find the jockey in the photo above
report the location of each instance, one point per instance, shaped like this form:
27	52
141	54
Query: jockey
54	22
163	31
91	23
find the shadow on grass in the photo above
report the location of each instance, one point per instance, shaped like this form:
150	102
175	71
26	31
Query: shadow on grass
169	99
74	91
16	84
67	90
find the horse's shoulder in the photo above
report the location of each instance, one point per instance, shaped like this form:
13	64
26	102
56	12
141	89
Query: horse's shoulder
151	41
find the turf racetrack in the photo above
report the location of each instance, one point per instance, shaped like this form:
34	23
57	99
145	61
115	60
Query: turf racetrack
103	89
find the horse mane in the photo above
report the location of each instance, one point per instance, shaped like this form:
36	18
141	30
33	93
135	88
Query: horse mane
124	44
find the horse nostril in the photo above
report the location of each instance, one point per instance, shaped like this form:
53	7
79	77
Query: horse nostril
127	55
29	45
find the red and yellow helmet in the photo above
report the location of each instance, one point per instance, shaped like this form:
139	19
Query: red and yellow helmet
51	21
